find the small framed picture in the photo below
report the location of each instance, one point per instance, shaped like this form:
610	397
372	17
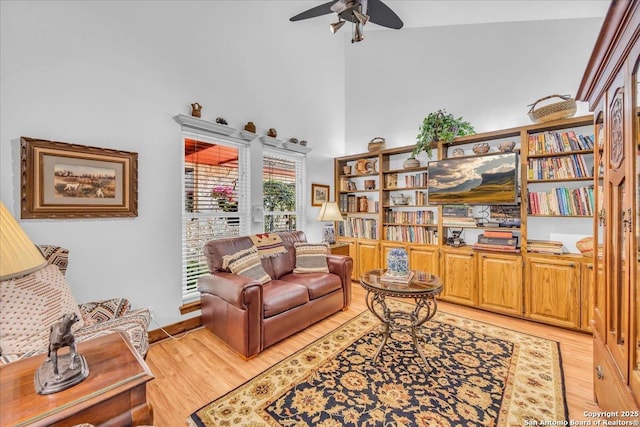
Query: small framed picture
319	194
62	180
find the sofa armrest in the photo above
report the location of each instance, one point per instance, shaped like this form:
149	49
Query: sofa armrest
342	265
236	290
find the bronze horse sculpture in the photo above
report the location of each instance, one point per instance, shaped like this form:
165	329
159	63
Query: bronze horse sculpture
61	336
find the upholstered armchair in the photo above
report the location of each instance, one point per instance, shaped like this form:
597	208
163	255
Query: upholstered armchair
30	304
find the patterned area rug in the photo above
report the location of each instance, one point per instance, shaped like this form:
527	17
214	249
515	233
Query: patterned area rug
479	375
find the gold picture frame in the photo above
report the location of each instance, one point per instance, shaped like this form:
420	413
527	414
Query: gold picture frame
319	194
62	180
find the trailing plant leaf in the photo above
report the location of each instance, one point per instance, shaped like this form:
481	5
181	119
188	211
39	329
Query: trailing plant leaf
440	126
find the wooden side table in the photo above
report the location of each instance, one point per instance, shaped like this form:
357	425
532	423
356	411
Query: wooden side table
114	393
339	249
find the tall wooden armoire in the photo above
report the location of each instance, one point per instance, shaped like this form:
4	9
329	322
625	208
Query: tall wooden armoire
611	85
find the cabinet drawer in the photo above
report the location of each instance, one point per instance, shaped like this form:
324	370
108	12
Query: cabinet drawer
612	394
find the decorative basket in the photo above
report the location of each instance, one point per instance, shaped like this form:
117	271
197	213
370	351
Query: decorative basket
376	144
558	110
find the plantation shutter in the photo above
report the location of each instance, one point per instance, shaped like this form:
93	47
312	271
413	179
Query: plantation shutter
216	205
283	191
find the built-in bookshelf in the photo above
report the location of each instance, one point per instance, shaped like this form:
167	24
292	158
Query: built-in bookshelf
480	251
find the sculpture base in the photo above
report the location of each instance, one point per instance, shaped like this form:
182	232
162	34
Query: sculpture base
47	382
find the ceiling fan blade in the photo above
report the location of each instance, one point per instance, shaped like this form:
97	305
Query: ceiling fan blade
323	9
379	13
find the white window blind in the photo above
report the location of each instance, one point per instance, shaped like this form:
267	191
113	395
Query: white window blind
283	191
216	205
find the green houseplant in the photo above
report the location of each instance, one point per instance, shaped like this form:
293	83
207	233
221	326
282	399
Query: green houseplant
440	126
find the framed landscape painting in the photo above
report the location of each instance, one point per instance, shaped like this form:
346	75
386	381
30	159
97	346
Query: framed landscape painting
319	194
62	180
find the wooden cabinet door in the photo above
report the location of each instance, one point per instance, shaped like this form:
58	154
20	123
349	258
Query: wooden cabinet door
552	291
587	295
353	251
368	256
423	258
500	283
458	275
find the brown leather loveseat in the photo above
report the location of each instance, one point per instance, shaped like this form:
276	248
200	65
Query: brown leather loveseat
250	316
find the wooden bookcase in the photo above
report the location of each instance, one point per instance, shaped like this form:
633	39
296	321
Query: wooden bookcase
520	284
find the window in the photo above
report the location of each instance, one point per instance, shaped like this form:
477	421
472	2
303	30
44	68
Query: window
283	191
216	202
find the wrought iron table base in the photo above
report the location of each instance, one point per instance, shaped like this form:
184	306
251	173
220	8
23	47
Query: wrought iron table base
425	308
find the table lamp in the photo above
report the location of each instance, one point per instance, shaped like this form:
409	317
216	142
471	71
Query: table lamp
18	255
329	212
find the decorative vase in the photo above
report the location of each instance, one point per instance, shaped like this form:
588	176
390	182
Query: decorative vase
196	109
411	163
506	146
457	152
250	127
397	262
272	133
481	148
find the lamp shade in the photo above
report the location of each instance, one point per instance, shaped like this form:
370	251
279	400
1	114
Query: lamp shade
330	212
18	255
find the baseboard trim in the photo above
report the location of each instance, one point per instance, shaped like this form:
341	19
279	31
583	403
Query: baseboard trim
157	335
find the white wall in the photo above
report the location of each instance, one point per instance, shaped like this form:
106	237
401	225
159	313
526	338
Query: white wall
487	73
113	74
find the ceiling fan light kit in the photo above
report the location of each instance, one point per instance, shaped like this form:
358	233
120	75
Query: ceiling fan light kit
359	12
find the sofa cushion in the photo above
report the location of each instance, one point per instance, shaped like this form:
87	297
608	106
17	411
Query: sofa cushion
279	296
30	305
246	263
317	284
311	258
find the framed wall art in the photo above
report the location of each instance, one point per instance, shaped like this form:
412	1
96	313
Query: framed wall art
319	194
62	180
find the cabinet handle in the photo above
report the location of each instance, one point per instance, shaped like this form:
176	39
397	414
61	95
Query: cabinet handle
599	373
571	264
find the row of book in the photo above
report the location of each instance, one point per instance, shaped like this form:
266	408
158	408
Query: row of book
558	142
416	180
562	201
407	233
409	217
497	240
571	166
352	203
361	228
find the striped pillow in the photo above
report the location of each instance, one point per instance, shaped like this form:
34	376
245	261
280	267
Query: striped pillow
311	257
246	263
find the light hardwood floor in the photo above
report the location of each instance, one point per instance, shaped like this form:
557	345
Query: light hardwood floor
196	368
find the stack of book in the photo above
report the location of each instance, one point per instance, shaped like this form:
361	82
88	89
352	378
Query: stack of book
544	246
458	221
394	278
497	240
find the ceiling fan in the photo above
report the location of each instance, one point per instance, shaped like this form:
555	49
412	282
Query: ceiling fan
357	11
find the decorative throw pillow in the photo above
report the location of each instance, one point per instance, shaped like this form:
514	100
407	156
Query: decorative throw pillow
30	305
95	312
246	263
311	257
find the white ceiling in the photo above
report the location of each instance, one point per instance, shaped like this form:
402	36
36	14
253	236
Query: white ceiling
427	13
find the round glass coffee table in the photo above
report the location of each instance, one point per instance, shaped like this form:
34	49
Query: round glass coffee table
423	289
